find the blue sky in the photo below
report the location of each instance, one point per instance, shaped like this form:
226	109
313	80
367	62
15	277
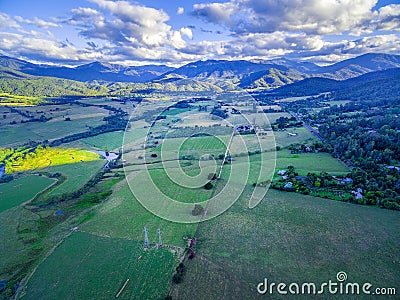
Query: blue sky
68	32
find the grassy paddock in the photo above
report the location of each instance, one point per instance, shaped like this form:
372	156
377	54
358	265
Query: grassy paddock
124	217
292	238
310	162
21	133
77	175
20	190
283	139
97	267
105	141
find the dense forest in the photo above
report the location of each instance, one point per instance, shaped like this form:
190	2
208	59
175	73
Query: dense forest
50	87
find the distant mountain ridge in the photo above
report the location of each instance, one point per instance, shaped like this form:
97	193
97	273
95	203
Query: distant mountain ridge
255	74
88	72
372	85
276	73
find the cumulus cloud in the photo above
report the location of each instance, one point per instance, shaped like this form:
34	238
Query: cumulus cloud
336	51
42	49
187	32
124	31
130	24
219	13
386	18
260	45
308	16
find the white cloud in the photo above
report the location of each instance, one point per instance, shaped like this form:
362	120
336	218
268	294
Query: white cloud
187	32
37	22
219	13
180	11
39	48
123	32
386	18
336	51
7	22
308	16
131	24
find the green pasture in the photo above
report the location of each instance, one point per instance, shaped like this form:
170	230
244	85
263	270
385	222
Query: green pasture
106	141
87	266
122	216
22	189
292	238
21	133
205	143
15	248
310	162
175	191
77	175
283	139
173	111
303	163
11	135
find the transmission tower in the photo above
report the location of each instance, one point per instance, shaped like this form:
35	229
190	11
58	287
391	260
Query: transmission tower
159	237
146	238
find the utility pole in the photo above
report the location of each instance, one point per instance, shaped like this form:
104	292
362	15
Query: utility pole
159	237
146	238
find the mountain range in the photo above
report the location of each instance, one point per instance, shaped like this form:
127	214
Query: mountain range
381	85
261	74
89	72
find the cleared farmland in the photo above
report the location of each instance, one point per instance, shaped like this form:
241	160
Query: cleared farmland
310	162
20	190
76	175
291	238
113	259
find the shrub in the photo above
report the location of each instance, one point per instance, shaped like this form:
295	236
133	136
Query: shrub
181	269
177	278
208	186
198	210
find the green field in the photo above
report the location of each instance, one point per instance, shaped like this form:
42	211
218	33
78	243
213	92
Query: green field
21	133
283	139
15	252
173	111
103	254
192	143
292	238
106	141
20	190
76	175
16	135
124	217
204	143
310	162
113	260
176	192
192	146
